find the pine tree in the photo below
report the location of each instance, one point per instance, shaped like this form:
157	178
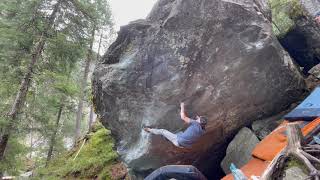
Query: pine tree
41	42
101	20
25	83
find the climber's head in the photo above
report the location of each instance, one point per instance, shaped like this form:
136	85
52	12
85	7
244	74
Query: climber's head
203	121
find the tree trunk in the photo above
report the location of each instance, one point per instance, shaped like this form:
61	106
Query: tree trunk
82	87
25	83
31	140
100	41
53	137
91	116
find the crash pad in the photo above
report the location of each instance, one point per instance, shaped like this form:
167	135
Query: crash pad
272	144
308	110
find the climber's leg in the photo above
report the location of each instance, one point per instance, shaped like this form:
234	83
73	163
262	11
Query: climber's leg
167	134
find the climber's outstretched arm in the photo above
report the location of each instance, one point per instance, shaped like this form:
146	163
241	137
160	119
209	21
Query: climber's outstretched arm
183	114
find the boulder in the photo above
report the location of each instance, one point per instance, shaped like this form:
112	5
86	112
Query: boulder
265	126
315	71
219	57
312	82
311	6
239	150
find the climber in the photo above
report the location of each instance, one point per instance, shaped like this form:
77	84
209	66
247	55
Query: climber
184	139
317	17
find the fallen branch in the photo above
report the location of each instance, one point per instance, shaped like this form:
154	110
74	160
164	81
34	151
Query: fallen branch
84	141
293	149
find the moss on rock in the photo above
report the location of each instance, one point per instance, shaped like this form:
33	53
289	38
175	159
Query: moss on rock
96	159
293	162
284	14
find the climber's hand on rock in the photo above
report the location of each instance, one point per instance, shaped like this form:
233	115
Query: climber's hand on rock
147	129
182	105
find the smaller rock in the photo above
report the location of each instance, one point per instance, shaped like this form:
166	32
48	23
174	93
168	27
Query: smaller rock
119	171
265	126
295	173
239	150
312	82
311	6
315	71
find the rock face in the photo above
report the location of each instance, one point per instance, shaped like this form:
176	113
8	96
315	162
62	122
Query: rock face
219	56
239	150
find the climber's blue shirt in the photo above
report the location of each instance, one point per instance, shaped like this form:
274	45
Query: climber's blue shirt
190	135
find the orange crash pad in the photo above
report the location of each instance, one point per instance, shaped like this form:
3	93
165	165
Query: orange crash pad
271	145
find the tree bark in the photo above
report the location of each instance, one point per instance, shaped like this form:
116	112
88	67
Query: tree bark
91	116
83	86
31	140
100	41
25	83
53	137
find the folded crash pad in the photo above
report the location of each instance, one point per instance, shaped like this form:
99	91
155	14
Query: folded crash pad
176	172
264	152
308	110
271	145
254	167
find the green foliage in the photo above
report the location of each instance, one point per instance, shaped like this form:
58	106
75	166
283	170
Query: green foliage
62	54
284	14
16	150
15	44
93	160
56	77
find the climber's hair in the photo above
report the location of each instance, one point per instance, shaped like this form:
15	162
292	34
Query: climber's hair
203	122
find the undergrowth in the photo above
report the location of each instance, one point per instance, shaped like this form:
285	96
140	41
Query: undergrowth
95	159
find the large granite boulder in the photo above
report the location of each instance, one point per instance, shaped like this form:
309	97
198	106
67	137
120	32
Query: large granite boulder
218	56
